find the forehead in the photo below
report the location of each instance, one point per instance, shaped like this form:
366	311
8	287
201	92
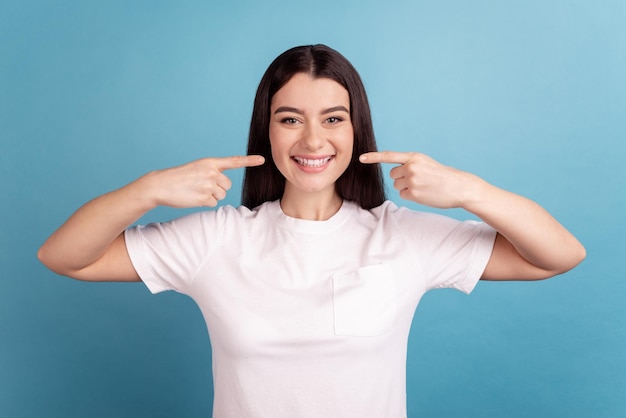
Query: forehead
303	90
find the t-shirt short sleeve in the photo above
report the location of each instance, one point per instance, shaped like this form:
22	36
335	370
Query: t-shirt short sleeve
166	255
452	253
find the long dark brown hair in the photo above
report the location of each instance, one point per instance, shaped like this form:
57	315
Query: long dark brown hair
360	183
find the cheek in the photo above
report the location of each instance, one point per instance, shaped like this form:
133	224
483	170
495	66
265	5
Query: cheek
279	151
347	141
275	143
280	138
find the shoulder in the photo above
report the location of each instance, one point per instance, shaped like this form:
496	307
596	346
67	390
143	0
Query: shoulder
388	219
236	213
392	212
203	220
231	217
420	223
234	216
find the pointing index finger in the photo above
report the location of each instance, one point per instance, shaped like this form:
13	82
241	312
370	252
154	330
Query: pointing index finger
239	161
385	157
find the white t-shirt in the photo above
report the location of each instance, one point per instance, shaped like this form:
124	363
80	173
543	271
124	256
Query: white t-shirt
309	318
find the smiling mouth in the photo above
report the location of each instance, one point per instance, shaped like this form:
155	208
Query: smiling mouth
312	162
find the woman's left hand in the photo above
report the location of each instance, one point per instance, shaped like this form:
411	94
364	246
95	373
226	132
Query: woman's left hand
423	180
530	244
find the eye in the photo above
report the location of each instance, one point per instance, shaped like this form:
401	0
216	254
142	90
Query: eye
334	119
289	121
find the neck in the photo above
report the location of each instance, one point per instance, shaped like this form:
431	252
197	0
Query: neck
319	206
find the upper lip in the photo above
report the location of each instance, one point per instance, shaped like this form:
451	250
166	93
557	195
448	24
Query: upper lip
316	161
312	157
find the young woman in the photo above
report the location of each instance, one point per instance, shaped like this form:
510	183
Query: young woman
309	288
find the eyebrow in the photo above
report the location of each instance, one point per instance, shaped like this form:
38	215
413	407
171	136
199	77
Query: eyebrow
300	112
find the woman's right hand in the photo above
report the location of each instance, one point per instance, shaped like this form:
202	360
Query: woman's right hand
90	244
198	183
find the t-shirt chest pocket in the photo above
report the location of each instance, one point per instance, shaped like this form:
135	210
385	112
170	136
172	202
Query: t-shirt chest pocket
364	301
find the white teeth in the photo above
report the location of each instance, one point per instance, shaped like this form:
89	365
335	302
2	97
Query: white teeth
307	162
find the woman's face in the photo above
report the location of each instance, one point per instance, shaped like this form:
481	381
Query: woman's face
311	133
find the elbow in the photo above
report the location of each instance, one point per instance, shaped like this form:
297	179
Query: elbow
579	255
44	257
576	256
582	253
58	263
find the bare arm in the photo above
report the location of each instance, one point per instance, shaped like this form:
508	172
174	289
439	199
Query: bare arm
90	244
530	243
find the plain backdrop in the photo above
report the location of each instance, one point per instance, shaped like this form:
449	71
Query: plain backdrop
529	95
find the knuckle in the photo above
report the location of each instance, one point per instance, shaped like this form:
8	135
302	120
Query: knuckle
416	157
210	201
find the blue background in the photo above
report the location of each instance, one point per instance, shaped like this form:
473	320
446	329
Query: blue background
529	95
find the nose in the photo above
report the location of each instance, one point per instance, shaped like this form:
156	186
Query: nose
313	138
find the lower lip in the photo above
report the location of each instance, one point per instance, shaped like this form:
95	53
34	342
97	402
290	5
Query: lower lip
310	169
